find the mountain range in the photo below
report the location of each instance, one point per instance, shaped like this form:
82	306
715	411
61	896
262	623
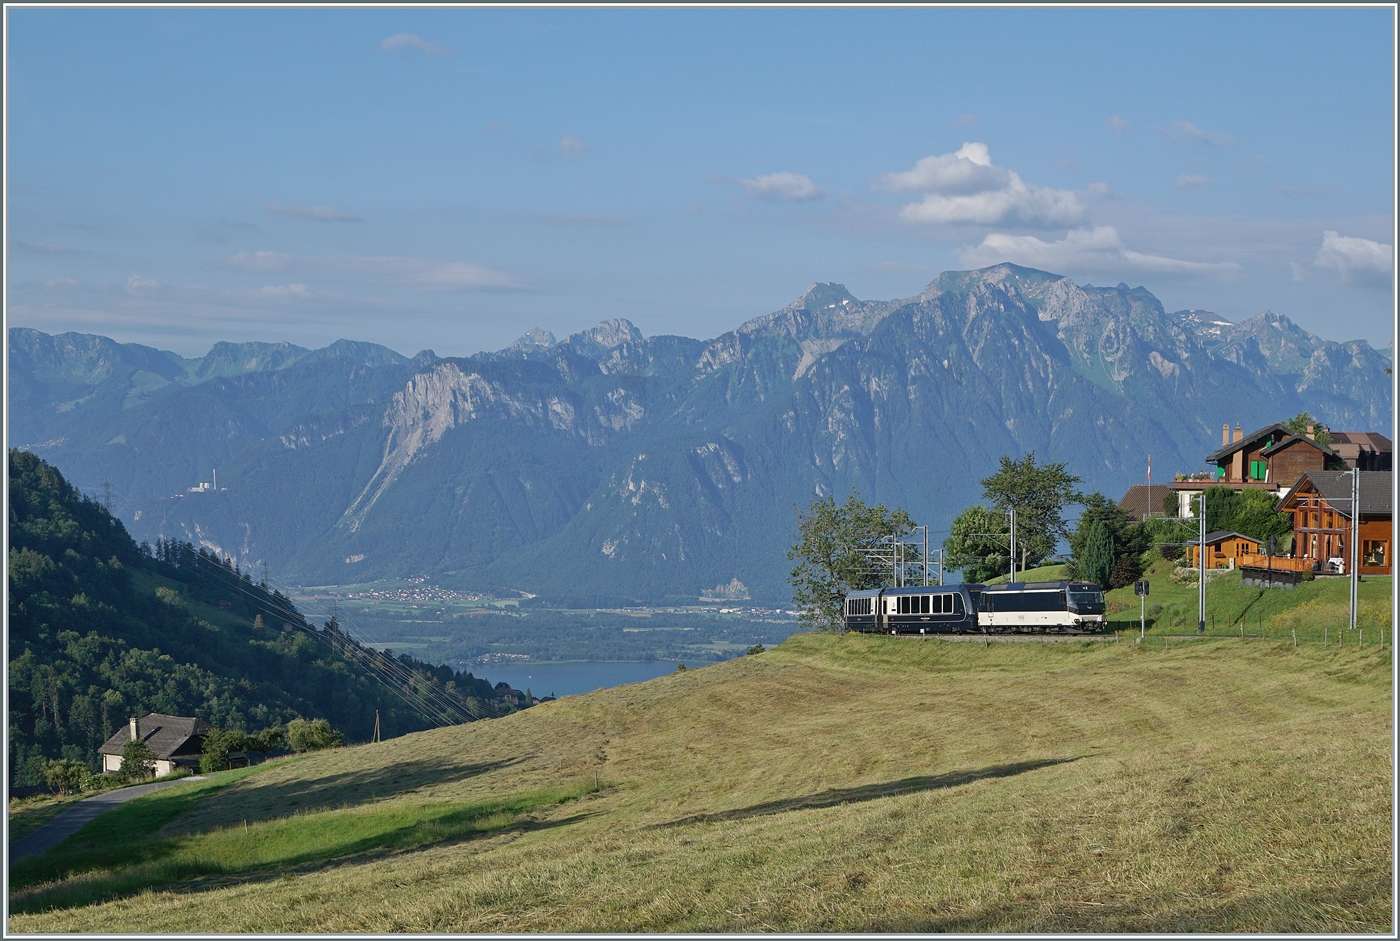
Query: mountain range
611	466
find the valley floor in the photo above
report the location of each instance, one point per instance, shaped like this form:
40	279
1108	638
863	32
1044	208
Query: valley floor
835	783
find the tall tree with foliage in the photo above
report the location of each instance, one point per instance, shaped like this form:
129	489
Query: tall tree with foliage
829	556
1095	563
978	544
1129	541
1252	513
1299	423
1040	493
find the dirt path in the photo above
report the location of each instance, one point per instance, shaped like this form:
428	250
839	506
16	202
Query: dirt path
72	820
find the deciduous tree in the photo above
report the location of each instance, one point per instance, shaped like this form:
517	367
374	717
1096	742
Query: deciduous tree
830	557
978	544
1040	493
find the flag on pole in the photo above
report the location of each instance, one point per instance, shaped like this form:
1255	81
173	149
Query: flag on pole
1149	468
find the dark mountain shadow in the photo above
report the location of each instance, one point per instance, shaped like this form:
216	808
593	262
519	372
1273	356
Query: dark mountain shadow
868	792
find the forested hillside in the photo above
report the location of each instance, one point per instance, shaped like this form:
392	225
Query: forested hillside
102	629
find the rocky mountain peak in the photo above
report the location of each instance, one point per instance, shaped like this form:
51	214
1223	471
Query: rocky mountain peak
608	335
536	338
825	295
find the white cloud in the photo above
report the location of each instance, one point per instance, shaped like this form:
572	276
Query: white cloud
1299	272
136	283
1082	251
966	120
784	185
59	284
1186	181
1187	129
421	273
571	147
408	42
313	213
1119	126
1354	258
966	187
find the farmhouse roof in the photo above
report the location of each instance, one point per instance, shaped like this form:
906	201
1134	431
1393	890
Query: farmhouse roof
1144	500
166	735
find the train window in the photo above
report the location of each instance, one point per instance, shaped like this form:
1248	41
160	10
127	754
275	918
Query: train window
924	604
954	604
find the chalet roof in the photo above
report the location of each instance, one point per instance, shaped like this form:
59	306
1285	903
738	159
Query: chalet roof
166	735
1335	487
1220	535
1290	441
1278	429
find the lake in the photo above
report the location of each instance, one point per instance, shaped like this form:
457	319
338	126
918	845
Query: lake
567	677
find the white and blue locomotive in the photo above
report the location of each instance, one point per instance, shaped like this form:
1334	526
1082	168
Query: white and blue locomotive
1017	607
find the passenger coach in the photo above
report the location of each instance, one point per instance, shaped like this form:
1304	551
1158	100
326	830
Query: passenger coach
932	609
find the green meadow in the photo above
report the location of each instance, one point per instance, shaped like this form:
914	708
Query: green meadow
834	783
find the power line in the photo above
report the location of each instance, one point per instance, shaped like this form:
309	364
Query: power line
417	690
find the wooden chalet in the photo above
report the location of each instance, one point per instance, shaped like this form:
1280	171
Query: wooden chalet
1224	550
177	741
1320	504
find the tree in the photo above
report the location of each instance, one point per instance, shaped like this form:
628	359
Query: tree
978	544
830	561
1128	540
1252	513
138	761
1299	423
1095	564
313	735
66	776
217	744
1039	494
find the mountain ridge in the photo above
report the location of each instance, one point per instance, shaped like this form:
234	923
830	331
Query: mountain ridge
640	465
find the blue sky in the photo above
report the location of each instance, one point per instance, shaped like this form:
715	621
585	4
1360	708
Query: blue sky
448	178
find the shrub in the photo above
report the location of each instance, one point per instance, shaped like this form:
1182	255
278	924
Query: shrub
67	776
138	761
313	735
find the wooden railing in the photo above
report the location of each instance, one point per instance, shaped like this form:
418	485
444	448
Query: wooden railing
1277	563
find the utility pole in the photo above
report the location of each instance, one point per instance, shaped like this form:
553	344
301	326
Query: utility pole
925	556
376	725
1012	508
1201	559
1355	539
107	495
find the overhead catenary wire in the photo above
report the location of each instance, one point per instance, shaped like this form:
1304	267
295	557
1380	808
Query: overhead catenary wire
420	693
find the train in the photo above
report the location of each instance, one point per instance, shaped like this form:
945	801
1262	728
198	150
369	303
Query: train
1063	607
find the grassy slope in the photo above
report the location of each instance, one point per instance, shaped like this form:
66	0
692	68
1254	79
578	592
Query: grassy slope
856	783
1276	612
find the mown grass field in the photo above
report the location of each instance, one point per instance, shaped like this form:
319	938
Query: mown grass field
835	783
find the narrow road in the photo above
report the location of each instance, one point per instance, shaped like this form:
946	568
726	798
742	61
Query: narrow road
70	821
